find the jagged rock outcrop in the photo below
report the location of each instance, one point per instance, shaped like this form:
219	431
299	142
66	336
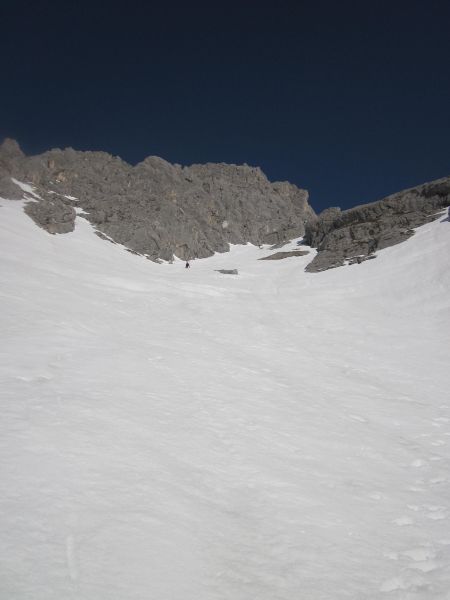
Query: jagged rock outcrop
52	214
156	208
160	210
11	157
354	235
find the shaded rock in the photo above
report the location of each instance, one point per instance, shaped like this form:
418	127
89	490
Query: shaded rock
281	255
228	271
12	160
9	190
52	215
351	236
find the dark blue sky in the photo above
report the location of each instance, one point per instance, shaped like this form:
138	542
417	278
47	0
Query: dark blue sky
348	99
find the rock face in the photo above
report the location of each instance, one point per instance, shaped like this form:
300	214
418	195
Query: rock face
52	214
354	235
156	208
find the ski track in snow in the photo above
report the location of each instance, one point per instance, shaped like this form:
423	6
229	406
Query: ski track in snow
176	434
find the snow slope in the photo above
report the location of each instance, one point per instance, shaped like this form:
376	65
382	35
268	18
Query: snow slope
174	434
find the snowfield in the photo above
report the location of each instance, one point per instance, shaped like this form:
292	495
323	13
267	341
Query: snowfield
174	434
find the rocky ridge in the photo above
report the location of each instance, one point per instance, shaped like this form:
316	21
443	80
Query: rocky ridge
160	210
155	208
354	235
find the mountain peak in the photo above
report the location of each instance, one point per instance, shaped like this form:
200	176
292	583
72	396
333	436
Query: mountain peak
11	148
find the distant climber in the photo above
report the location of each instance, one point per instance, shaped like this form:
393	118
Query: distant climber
187	265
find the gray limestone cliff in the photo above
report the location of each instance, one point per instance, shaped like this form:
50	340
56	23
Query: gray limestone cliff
354	235
160	210
156	208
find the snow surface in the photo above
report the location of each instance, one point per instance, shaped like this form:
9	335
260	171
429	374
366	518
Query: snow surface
174	434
